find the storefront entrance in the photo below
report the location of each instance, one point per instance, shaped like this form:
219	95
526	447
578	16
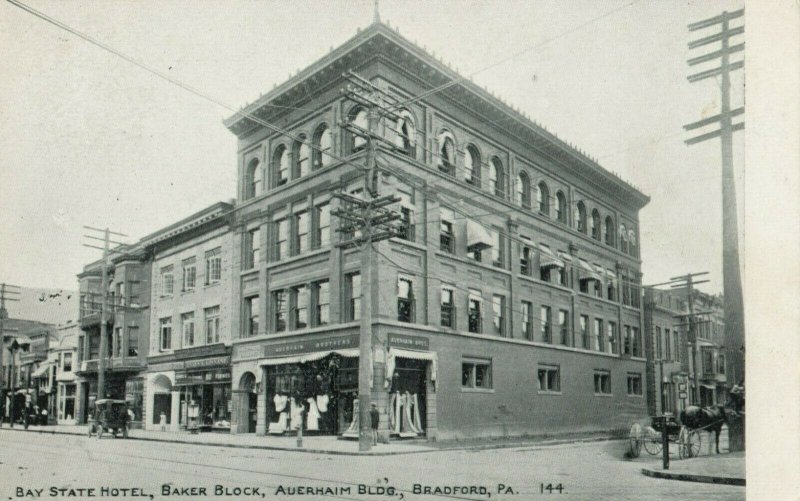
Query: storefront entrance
407	398
318	393
205	400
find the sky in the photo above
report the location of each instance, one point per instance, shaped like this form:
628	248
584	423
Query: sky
86	138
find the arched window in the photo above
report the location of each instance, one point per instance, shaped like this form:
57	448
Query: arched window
280	165
524	190
623	238
406	134
302	157
609	231
496	177
561	207
358	117
596	225
632	242
447	152
252	183
580	217
323	144
543	198
472	166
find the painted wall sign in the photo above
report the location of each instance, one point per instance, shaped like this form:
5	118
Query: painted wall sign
412	342
311	345
208	362
202	351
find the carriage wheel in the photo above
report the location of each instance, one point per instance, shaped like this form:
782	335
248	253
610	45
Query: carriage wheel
652	441
635	440
688	443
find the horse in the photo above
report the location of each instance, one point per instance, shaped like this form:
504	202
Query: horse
707	418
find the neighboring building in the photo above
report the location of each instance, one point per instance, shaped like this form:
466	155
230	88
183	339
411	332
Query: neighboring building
510	304
189	364
709	341
64	354
127	321
31	340
668	385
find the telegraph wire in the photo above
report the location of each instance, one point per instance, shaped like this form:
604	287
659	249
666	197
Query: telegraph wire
513	56
176	82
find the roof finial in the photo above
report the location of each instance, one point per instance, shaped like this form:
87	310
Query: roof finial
376	15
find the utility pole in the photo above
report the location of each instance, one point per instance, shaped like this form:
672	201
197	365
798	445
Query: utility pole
101	362
687	282
732	282
370	216
8	292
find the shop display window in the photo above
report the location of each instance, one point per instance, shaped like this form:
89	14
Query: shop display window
476	374
602	382
549	377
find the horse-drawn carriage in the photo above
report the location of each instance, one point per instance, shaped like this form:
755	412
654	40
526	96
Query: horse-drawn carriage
685	433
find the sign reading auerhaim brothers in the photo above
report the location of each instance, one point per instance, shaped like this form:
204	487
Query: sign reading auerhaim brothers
311	345
413	342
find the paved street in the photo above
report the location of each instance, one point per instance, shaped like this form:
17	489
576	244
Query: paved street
31	461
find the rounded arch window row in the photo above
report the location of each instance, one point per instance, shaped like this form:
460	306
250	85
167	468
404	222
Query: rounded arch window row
290	160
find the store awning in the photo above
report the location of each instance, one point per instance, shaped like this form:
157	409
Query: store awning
478	237
549	259
42	370
308	357
413	355
589	273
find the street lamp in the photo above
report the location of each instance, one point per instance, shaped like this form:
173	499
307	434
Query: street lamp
16	344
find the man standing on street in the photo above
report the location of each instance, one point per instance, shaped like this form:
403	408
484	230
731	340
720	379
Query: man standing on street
375	418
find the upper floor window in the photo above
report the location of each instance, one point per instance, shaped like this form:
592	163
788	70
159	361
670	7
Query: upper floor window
474	312
302	157
623	238
563	327
405	299
212	324
496	177
523	190
251	315
187	327
167	281
609	230
66	363
580	217
322	302
632	242
527	320
323	225
595	226
448	308
498	315
612	338
543	198
598	334
189	274
526	257
323	146
353	285
280	165
253	178
301	301
213	266
359	118
165	334
280	308
584	323
302	226
447	239
407	226
561	207
406	134
545	324
447	152
281	239
252	245
472	166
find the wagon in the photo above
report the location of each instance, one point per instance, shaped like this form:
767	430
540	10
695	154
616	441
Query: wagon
110	416
688	440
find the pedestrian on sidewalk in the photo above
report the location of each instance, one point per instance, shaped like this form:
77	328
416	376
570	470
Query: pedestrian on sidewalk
375	419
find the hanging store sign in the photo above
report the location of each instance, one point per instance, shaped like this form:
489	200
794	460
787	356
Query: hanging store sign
410	342
311	345
202	351
202	363
202	377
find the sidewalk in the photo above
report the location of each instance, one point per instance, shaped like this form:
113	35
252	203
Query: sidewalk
716	469
313	444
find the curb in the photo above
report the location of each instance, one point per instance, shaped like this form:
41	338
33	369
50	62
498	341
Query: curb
335	453
690	477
